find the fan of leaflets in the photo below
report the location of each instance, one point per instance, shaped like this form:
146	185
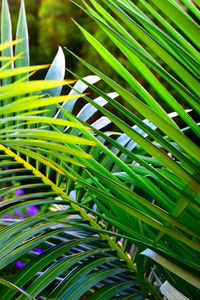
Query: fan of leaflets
144	180
44	253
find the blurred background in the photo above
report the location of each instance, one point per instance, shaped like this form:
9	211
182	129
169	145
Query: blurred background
50	24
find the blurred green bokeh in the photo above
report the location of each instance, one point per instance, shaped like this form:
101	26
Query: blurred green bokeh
50	24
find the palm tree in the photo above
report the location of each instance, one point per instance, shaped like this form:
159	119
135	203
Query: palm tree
118	214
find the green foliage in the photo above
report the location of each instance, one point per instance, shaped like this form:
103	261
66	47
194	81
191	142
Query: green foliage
74	258
119	211
152	179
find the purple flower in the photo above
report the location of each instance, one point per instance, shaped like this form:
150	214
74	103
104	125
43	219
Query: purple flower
32	210
6	168
38	250
6	217
18	213
19	264
19	192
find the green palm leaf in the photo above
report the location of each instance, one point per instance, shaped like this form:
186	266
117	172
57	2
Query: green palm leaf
119	209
